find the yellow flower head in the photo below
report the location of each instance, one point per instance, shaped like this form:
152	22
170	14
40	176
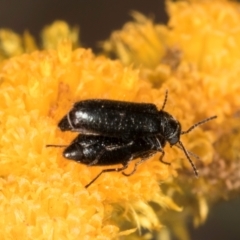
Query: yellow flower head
57	32
43	194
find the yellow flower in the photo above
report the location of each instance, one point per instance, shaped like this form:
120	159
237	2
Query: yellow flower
140	42
57	32
12	44
43	194
207	32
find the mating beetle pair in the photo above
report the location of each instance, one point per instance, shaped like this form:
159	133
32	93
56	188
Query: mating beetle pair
117	132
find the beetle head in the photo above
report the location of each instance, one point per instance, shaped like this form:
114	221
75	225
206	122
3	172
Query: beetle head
171	128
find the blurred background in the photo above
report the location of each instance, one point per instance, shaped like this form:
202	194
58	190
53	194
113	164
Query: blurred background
97	19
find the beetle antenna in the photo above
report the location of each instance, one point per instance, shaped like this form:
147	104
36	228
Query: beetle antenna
189	159
165	100
52	145
197	124
189	153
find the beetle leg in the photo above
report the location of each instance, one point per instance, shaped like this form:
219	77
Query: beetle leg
135	168
161	158
108	170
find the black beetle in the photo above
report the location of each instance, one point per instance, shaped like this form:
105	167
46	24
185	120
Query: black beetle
120	119
116	132
96	150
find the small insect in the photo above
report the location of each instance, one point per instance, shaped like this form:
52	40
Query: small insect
96	150
117	132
